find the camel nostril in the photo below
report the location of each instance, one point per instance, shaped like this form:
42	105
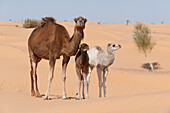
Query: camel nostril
120	46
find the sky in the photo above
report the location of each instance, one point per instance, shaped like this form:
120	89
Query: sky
106	11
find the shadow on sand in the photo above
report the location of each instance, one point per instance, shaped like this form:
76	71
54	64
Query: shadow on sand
53	97
156	66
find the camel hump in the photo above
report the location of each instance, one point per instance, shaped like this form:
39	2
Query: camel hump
46	19
98	48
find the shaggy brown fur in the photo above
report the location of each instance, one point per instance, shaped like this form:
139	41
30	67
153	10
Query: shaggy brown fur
82	65
44	20
50	41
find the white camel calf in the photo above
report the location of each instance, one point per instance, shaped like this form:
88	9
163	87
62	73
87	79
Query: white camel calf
101	60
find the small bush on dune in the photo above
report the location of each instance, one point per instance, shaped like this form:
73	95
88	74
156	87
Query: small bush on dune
98	22
127	22
143	40
31	23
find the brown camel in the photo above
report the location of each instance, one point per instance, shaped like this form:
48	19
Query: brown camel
82	66
50	41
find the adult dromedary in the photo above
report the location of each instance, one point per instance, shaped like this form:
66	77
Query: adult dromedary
50	41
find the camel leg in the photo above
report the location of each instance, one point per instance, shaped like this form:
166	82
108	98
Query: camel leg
64	67
79	82
99	72
32	80
50	77
88	77
37	94
105	72
85	71
82	84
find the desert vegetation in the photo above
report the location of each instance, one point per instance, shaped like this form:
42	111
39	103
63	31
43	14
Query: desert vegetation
143	40
127	22
98	22
31	23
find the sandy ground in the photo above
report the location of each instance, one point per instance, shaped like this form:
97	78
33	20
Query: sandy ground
130	87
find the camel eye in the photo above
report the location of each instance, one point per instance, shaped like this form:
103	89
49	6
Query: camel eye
114	45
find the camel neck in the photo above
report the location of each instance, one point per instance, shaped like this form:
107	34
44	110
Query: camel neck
74	42
77	36
78	32
110	59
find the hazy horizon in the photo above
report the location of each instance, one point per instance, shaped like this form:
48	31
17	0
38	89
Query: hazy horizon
108	11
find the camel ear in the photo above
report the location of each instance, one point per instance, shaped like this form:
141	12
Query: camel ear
85	20
43	19
75	19
109	44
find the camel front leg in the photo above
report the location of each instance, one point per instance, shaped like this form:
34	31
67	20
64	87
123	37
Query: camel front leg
105	72
64	67
82	85
99	72
85	82
79	82
50	77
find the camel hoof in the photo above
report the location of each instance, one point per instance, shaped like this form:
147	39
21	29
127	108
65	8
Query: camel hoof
87	97
32	93
47	98
83	97
38	95
64	98
77	98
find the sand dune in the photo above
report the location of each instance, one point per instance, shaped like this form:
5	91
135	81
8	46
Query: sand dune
130	88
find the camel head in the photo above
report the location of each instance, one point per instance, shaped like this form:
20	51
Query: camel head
84	47
80	22
111	47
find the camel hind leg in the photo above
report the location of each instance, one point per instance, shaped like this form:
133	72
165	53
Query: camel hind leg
34	62
88	77
32	80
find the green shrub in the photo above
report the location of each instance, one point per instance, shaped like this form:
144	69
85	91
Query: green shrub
127	22
143	40
31	23
98	22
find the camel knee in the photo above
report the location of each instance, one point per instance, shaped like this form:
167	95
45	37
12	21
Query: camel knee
50	77
82	82
31	72
63	78
104	85
88	79
100	84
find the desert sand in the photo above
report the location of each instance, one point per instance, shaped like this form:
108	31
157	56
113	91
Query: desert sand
130	87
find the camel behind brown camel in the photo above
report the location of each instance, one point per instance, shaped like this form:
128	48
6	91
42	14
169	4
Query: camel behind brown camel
50	41
82	65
